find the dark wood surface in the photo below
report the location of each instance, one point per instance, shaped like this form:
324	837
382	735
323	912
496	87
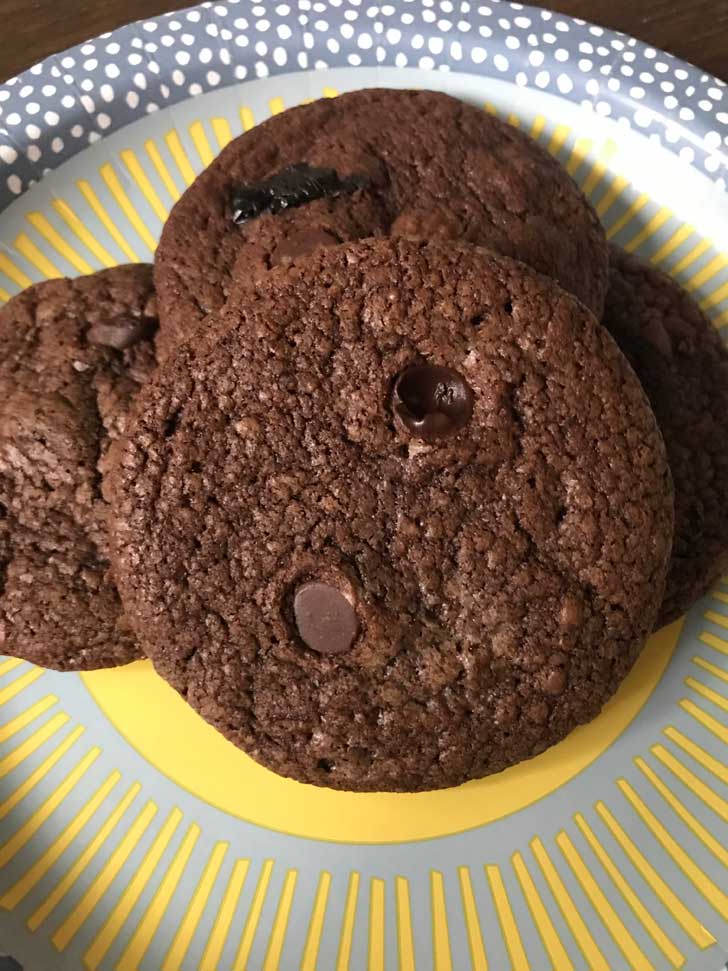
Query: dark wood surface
696	30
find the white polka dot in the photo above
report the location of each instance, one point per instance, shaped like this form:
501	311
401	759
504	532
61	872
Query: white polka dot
712	163
8	154
103	120
478	55
152	107
687	114
67	62
91	64
26	90
188	39
637	93
426	63
32	108
585	64
614	84
112	71
88	103
712	140
715	93
661	67
501	63
456	50
48	90
57	145
435	45
400	59
592	86
687	154
705	105
51	118
355	60
87	84
564	83
213	79
393	35
205	55
561	54
182	57
513	43
13	118
364	41
418	42
521	79
284	31
32	131
484	30
542	79
113	48
132	99
77	131
261	69
536	58
603	108
241	71
643	117
626	70
14	184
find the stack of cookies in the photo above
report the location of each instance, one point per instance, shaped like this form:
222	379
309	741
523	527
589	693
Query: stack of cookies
391	466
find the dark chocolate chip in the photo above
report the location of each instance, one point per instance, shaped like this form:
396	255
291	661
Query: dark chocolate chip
121	333
325	619
293	186
301	244
432	402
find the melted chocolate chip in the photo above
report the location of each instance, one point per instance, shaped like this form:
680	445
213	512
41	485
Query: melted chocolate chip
293	186
121	333
301	244
325	619
432	402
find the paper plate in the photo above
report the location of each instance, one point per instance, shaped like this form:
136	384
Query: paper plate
132	836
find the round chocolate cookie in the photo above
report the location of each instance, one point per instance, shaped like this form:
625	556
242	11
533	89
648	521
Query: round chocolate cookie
683	367
73	353
403	521
373	163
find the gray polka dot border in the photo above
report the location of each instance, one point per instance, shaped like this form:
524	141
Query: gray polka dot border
51	112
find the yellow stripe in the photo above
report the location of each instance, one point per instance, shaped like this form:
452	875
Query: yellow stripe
16	724
66	882
251	924
31	744
704	691
472	921
125	204
133	891
347	924
276	106
579	154
13	272
105	219
280	923
599	169
4	295
707	272
537	127
10	664
660	938
635	207
658	220
560	960
38	870
717	643
719	595
246	117
199	138
699	754
513	120
82	234
68	929
608	915
509	928
587	944
712	724
692	927
180	156
188	925
31	826
714	298
330	92
128	157
316	924
490	108
405	940
39	222
376	925
700	880
615	190
27	248
148	925
717	618
716	848
161	169
691	256
40	772
710	798
20	684
670	245
219	932
561	133
440	931
711	668
223	132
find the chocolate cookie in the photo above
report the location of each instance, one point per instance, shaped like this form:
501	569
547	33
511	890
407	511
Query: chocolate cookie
373	163
73	353
683	367
402	522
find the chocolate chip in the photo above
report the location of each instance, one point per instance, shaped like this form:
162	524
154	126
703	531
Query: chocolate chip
301	244
325	619
293	186
432	402
121	333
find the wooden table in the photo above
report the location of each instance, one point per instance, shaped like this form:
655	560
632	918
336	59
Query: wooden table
696	30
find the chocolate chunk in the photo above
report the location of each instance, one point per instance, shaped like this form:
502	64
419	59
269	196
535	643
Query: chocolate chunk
432	402
291	187
301	244
120	334
325	619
